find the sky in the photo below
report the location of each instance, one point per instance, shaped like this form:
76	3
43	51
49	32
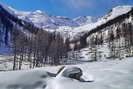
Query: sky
68	8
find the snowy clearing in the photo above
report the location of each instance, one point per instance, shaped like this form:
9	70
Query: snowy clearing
104	75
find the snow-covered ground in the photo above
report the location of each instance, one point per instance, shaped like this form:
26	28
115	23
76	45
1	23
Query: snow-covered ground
6	62
104	75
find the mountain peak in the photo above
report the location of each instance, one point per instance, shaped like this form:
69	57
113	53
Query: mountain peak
39	12
117	11
82	20
124	8
43	20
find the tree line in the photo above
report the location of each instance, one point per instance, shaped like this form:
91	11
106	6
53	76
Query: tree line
42	48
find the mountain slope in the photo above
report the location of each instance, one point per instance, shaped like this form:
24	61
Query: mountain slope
82	20
43	20
110	37
64	35
117	12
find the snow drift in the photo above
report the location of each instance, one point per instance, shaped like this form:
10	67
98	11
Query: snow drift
105	75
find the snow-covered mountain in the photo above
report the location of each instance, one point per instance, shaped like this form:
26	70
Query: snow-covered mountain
109	37
38	39
44	20
79	25
77	33
82	20
73	27
117	12
89	24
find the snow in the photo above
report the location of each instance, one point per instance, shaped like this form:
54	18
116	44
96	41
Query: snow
109	74
7	8
115	12
82	20
114	74
43	20
76	32
5	62
69	28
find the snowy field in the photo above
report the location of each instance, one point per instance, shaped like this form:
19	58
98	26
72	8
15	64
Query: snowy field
103	75
6	62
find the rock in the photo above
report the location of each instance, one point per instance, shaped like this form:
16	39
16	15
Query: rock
73	72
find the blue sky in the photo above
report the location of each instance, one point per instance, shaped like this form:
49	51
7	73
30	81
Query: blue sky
68	8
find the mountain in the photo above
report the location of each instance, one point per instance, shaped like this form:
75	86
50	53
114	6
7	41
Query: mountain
44	20
117	12
36	39
82	20
61	40
11	26
110	37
